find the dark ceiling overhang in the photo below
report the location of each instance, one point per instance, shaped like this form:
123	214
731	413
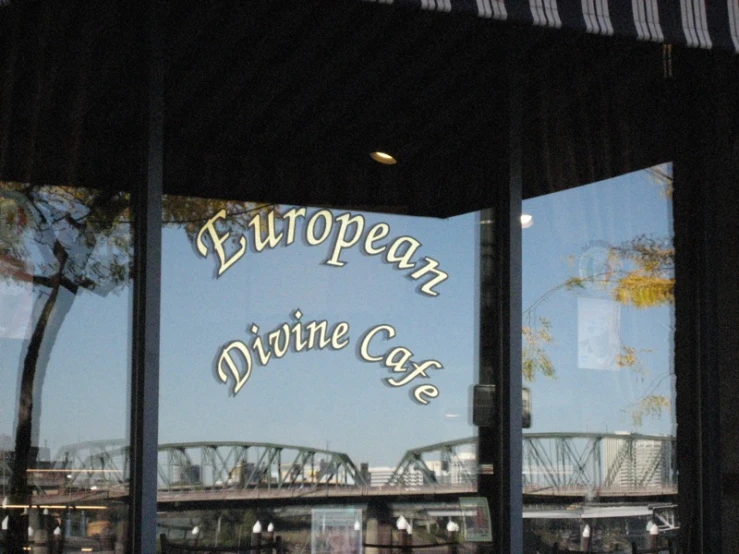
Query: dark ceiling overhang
283	101
693	23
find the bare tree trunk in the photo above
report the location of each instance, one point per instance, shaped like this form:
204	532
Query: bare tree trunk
19	491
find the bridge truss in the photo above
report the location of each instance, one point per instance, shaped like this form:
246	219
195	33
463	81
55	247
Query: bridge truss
450	462
104	466
597	464
240	465
554	464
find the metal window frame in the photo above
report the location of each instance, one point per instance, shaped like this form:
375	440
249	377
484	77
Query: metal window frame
499	446
703	145
147	202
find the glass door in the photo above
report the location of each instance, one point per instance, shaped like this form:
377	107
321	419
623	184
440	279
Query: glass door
599	457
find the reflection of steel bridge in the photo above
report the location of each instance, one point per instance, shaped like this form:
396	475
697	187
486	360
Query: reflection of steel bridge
209	465
554	465
559	464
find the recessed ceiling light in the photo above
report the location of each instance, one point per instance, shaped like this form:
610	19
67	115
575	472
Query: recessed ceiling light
527	221
383	158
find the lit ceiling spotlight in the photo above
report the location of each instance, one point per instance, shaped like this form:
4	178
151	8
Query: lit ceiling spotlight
383	158
527	220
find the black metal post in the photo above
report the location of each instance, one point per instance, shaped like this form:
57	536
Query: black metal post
500	445
147	200
704	111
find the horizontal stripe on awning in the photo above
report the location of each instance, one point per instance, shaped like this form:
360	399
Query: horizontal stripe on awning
694	23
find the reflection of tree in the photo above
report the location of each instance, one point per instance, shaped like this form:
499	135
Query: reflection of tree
638	273
66	240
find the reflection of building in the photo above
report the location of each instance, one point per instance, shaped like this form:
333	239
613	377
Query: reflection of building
637	463
458	469
41	456
44	454
190	474
39	478
463	468
379	476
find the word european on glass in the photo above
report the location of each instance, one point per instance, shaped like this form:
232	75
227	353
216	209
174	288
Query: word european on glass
318	228
237	359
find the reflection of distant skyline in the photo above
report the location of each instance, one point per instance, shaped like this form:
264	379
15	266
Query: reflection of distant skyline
615	464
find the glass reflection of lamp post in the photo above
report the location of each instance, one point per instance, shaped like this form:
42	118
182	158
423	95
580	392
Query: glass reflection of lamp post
402	525
45	523
4	524
653	536
356	542
452	530
585	539
269	538
3	532
256	538
56	544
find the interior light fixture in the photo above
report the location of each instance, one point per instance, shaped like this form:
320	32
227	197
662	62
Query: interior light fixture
383	158
527	220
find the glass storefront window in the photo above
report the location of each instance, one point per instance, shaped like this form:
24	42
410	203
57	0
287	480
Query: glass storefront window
315	360
598	283
72	152
65	284
316	357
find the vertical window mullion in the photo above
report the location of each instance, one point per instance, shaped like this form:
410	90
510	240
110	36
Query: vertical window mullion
500	445
510	269
146	312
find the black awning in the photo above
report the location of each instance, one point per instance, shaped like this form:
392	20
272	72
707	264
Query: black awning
694	23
